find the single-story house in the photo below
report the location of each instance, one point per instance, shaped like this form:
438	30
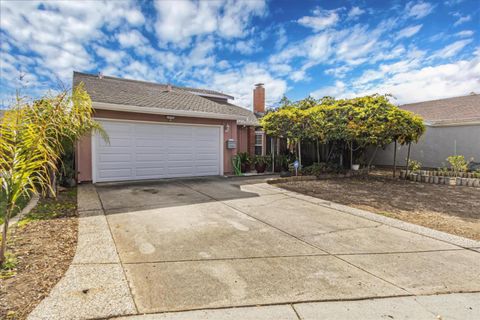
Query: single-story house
164	131
452	128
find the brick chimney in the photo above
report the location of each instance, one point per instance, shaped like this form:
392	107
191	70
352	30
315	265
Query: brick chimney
259	99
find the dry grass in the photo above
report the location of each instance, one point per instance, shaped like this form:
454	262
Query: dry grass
452	209
43	245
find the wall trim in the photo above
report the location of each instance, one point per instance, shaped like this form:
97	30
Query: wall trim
169	112
452	123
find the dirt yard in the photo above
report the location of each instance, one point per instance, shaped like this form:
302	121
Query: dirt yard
43	245
451	209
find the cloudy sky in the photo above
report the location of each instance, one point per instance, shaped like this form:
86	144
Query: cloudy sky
415	50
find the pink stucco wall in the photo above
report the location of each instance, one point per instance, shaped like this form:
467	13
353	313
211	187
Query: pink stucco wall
242	145
84	146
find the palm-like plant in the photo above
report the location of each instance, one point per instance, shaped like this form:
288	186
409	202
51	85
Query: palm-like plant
32	140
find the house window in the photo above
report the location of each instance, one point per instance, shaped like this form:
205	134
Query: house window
258	142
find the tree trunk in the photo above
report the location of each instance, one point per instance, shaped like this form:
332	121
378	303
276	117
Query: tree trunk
351	155
318	152
300	153
52	192
330	151
395	159
3	246
408	160
273	153
372	158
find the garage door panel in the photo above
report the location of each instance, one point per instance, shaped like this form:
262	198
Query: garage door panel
160	157
115	142
115	173
149	151
149	142
150	165
115	157
114	166
147	172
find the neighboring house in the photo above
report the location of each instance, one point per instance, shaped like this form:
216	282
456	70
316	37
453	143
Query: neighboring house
453	128
164	131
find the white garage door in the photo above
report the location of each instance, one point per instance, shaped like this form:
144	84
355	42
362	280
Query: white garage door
139	151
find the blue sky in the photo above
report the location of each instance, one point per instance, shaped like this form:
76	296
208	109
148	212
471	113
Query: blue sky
415	50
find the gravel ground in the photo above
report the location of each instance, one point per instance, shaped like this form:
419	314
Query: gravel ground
452	209
44	245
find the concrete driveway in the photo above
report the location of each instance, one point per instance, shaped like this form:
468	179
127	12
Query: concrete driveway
215	243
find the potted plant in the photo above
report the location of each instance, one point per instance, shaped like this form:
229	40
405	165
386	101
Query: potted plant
414	167
245	161
261	163
459	167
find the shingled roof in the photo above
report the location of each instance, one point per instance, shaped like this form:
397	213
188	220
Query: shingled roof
462	109
141	94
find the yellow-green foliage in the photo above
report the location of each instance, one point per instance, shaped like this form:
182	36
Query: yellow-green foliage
369	120
32	139
457	164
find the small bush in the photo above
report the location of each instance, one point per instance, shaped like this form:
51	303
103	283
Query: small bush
458	164
414	165
315	169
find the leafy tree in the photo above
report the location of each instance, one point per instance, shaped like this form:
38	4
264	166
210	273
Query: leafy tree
404	128
286	122
32	139
356	123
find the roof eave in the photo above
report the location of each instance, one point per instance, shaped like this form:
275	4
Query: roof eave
448	123
170	112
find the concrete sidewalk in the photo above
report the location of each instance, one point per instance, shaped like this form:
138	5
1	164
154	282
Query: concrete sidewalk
185	245
455	306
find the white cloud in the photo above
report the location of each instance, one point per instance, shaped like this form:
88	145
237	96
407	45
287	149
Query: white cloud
60	31
132	38
355	12
179	21
452	49
418	10
411	84
465	33
441	81
338	72
408	31
282	38
240	81
246	46
332	91
462	19
321	19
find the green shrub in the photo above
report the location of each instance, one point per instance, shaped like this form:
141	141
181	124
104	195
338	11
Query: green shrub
244	158
262	160
315	169
414	165
458	164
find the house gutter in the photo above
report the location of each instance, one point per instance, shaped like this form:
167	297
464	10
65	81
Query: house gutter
162	111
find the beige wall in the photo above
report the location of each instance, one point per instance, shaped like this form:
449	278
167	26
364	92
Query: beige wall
84	146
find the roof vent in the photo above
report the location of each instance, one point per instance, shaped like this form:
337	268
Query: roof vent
473	93
100	75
